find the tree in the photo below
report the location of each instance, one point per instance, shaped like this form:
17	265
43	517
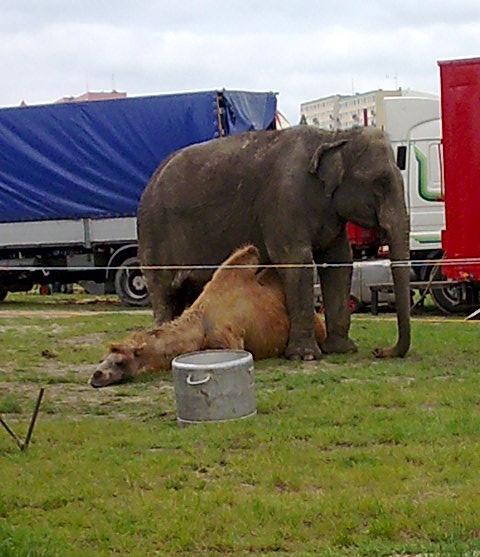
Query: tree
303	120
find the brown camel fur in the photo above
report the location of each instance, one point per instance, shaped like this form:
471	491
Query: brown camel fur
237	309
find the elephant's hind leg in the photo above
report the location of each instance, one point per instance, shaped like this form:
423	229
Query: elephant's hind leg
159	285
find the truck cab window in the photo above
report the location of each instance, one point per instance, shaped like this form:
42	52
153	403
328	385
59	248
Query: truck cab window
402	157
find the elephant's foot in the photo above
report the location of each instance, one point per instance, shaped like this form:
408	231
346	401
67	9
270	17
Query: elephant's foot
303	350
338	345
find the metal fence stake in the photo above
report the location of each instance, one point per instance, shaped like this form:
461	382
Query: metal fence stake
24	446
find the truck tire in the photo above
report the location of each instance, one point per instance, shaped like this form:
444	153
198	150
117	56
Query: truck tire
130	285
3	293
447	299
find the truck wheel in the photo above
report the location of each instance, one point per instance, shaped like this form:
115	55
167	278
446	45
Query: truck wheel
448	299
3	293
130	284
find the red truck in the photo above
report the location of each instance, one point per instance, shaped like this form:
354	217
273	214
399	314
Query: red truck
460	98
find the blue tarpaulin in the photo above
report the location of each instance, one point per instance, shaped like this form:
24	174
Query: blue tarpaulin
93	159
249	111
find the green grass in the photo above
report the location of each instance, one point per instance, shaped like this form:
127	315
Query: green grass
347	456
9	404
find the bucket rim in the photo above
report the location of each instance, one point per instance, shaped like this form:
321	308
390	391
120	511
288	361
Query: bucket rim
185	421
244	357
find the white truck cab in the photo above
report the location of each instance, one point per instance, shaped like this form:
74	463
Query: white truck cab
414	127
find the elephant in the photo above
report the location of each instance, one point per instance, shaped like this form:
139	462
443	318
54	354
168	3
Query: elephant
290	193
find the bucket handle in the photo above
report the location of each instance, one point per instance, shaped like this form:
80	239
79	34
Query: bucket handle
190	381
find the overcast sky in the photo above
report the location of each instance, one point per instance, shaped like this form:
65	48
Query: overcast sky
303	49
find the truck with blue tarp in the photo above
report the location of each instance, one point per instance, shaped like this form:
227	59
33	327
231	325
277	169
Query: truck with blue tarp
71	177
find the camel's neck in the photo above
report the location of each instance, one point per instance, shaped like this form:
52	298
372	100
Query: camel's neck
163	343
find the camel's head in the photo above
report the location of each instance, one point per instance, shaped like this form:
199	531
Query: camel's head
121	362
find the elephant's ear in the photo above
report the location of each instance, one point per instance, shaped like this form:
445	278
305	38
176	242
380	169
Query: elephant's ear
327	164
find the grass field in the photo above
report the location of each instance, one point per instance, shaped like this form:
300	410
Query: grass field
347	456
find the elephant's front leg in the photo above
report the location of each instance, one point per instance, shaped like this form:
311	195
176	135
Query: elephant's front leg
336	283
298	285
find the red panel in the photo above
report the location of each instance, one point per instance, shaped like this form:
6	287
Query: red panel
460	92
362	237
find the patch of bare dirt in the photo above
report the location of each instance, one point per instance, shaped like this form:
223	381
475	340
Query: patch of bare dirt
92	339
55	369
315	367
60	313
6	328
75	398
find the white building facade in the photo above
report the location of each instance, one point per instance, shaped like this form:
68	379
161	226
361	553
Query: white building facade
339	112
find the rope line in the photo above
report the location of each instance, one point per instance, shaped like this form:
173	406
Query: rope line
385	263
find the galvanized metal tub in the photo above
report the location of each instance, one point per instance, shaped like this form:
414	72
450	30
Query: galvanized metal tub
214	386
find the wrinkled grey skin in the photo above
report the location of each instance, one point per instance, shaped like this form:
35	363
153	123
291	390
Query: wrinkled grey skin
290	193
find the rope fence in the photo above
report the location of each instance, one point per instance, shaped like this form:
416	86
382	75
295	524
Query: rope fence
385	262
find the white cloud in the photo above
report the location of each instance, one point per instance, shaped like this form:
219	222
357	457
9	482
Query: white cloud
302	49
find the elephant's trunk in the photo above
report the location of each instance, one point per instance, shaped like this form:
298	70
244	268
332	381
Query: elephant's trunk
398	239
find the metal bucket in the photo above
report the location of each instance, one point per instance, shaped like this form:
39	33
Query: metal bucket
214	386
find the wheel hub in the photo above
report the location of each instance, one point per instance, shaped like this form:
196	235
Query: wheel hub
138	282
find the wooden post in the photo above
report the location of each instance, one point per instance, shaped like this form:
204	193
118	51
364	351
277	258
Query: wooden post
23	445
33	420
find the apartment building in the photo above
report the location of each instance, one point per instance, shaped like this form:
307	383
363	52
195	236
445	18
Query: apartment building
338	112
94	96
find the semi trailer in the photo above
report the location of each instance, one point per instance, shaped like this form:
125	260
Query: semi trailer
460	93
71	176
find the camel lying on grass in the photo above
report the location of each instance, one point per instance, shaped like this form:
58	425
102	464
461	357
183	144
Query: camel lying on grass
237	309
